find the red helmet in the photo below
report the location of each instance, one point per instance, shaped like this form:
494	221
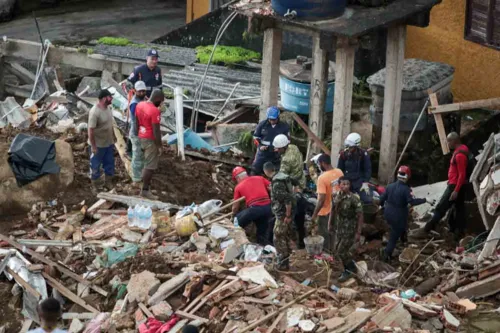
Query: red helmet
237	171
404	171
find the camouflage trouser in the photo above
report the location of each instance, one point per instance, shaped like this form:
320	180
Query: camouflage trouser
282	233
137	159
344	246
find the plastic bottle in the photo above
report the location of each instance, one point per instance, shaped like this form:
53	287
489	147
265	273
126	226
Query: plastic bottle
138	215
142	219
236	224
131	216
148	218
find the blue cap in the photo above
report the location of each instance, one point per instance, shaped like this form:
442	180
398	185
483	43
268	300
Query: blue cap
153	53
273	112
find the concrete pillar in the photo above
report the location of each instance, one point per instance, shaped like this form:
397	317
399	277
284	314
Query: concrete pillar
392	102
270	70
319	86
344	78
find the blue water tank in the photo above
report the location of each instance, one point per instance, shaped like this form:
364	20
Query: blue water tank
310	9
295	96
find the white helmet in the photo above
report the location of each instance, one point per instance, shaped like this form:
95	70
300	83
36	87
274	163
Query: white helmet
280	141
315	159
353	140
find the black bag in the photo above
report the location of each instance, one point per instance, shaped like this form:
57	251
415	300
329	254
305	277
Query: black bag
31	157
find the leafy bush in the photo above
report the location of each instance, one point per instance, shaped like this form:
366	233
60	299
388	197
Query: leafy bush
226	55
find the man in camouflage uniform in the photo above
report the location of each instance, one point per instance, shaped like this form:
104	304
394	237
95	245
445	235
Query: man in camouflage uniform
345	224
292	164
283	202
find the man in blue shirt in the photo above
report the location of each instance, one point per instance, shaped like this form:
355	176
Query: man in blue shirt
356	165
137	153
264	134
395	200
149	73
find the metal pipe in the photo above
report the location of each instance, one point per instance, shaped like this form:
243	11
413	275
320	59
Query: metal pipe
411	135
227	101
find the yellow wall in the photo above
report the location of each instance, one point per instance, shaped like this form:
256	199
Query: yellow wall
196	9
477	68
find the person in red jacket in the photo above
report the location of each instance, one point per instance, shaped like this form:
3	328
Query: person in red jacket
258	210
454	195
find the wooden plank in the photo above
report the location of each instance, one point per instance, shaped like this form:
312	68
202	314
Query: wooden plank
98	205
45	242
255	300
396	38
439	124
480	289
22	73
191	316
277	312
81	316
310	134
270	70
5	261
49	262
233	115
146	310
214	158
344	76
319	86
26	326
490	103
68	293
491	242
275	322
23	283
121	147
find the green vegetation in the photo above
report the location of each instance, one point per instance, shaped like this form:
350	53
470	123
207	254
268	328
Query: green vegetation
117	41
245	143
169	93
226	55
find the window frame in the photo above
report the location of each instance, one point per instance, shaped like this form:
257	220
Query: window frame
489	24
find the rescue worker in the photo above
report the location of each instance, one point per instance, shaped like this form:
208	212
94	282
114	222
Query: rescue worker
327	186
102	142
149	73
137	154
255	189
454	195
148	118
292	164
356	165
264	134
346	223
283	202
397	197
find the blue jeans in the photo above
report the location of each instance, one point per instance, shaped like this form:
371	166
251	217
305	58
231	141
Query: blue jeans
106	158
262	216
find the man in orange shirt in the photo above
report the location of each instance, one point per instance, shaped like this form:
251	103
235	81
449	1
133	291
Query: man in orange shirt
327	184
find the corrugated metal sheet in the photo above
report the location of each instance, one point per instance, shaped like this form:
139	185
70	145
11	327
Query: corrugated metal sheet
219	83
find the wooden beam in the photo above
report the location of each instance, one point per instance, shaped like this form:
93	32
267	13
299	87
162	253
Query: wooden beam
191	316
49	262
146	310
395	54
270	70
81	316
491	242
319	86
310	134
214	158
121	147
23	283
344	78
491	103
68	293
439	124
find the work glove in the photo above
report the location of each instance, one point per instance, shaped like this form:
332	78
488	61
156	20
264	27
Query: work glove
430	201
365	188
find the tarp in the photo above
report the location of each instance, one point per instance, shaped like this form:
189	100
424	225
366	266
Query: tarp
12	113
31	157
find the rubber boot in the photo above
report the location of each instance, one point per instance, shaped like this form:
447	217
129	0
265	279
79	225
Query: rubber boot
108	182
283	264
96	186
148	195
384	256
344	276
350	271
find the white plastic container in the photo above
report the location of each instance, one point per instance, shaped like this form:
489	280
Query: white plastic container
131	217
148	218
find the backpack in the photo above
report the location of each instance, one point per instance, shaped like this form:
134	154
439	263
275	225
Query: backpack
471	163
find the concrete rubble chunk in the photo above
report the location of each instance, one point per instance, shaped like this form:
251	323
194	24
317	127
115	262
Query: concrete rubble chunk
480	289
162	310
168	287
393	315
450	321
141	286
76	326
333	323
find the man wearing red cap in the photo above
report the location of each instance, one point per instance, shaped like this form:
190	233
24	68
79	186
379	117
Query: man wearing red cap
255	189
396	199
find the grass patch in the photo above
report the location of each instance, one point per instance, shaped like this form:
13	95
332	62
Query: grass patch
117	41
226	55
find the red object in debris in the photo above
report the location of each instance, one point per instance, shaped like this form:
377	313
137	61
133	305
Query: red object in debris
156	326
4	244
459	249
